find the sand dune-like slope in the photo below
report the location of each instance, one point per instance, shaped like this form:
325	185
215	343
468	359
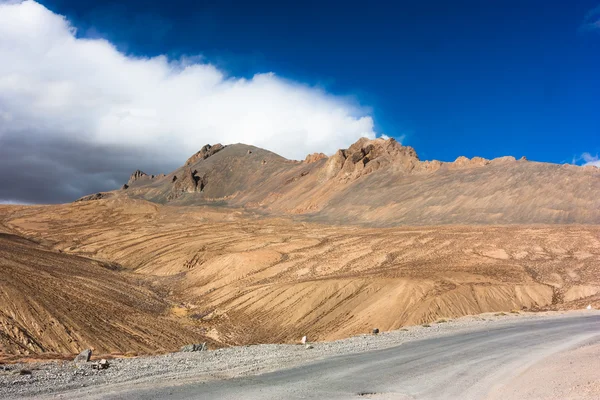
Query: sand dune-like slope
246	278
52	302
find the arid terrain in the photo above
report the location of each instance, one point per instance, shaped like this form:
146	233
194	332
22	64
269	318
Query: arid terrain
241	246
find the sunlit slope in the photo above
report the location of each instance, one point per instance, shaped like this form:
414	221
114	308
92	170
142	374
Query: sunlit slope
247	278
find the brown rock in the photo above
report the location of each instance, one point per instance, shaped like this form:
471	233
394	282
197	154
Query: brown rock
136	176
314	157
205	152
367	156
189	182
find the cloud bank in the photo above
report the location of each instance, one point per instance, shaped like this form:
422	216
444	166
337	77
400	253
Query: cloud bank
77	116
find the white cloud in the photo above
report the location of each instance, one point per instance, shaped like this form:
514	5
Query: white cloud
589	159
54	85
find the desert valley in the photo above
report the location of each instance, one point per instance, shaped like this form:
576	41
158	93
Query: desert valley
242	246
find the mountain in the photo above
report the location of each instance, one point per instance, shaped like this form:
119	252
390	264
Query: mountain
379	183
242	246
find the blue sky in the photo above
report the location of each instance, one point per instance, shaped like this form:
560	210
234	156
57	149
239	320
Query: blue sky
451	78
97	89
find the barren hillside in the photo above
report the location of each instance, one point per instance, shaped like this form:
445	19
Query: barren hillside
245	278
379	183
52	302
243	246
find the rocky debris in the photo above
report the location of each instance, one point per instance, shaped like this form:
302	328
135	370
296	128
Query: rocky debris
205	152
137	175
366	156
309	346
92	197
375	331
190	348
314	157
102	364
189	182
84	356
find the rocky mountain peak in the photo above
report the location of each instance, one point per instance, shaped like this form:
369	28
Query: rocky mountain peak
137	175
314	157
205	152
368	155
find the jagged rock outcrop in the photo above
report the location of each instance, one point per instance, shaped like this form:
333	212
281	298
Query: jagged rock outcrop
464	162
366	156
205	152
136	176
314	157
188	182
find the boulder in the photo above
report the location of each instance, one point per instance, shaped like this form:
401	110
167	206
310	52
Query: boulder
375	331
84	356
102	364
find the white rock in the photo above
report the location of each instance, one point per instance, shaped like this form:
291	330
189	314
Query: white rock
303	340
589	307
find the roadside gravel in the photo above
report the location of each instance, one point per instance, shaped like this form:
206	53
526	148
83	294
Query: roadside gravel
57	378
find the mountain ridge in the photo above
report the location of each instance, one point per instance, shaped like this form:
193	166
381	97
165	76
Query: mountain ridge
377	182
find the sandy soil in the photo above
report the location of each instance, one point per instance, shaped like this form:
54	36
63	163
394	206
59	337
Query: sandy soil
239	278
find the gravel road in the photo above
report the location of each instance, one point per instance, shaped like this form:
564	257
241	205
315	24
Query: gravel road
466	358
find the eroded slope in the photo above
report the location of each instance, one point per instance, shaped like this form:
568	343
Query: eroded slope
60	303
248	279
